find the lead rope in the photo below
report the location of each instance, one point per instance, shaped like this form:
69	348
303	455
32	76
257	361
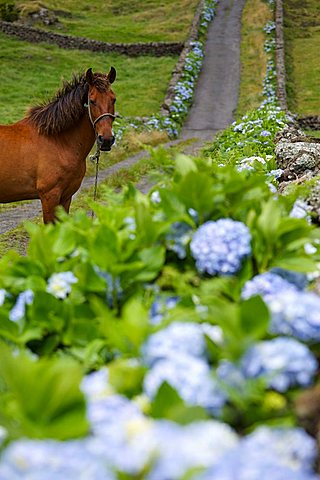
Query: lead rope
96	156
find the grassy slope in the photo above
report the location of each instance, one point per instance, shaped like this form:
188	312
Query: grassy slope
123	20
302	41
253	58
31	73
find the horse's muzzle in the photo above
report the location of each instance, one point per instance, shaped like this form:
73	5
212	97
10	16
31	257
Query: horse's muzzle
105	144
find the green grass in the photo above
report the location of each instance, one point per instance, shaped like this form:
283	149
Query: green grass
253	58
30	73
122	20
302	43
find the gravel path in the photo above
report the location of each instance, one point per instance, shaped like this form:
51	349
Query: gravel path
215	101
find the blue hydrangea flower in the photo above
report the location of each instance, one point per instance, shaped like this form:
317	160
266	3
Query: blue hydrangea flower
114	289
237	467
282	362
292	447
3	294
178	238
220	247
266	285
123	436
18	311
96	385
274	453
297	314
59	284
51	460
190	377
178	338
160	307
301	209
299	280
231	377
201	445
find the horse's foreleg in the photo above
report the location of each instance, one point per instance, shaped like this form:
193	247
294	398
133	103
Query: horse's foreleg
50	201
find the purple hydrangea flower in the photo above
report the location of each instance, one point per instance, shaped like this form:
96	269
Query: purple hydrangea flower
220	247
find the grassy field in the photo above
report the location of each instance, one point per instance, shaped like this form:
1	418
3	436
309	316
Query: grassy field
302	42
253	58
31	73
121	20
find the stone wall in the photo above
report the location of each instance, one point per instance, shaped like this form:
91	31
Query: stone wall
36	35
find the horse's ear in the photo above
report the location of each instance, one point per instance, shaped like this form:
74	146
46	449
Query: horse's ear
89	76
112	75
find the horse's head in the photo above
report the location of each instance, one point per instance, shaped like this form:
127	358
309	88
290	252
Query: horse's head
101	100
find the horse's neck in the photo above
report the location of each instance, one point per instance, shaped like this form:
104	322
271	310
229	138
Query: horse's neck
81	138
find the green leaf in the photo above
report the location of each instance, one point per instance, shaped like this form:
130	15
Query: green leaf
254	318
126	376
41	398
195	191
168	404
185	165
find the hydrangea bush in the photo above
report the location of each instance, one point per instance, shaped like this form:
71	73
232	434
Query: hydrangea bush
167	337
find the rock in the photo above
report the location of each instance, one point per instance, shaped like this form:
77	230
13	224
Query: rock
298	155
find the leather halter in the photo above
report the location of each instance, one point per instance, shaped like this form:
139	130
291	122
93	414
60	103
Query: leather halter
94	122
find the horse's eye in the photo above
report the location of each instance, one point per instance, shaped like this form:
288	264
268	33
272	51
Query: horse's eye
92	102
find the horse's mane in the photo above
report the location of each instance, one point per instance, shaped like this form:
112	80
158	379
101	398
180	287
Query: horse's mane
66	108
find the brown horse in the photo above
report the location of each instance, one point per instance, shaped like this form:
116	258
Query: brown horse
44	154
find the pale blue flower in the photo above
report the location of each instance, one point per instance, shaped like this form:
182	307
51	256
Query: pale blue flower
190	377
283	363
296	313
299	280
178	338
122	436
220	247
160	308
178	238
268	454
301	209
19	309
59	284
182	448
51	460
95	385
3	294
266	284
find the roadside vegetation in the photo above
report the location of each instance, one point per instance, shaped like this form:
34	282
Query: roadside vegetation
302	42
256	14
120	21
